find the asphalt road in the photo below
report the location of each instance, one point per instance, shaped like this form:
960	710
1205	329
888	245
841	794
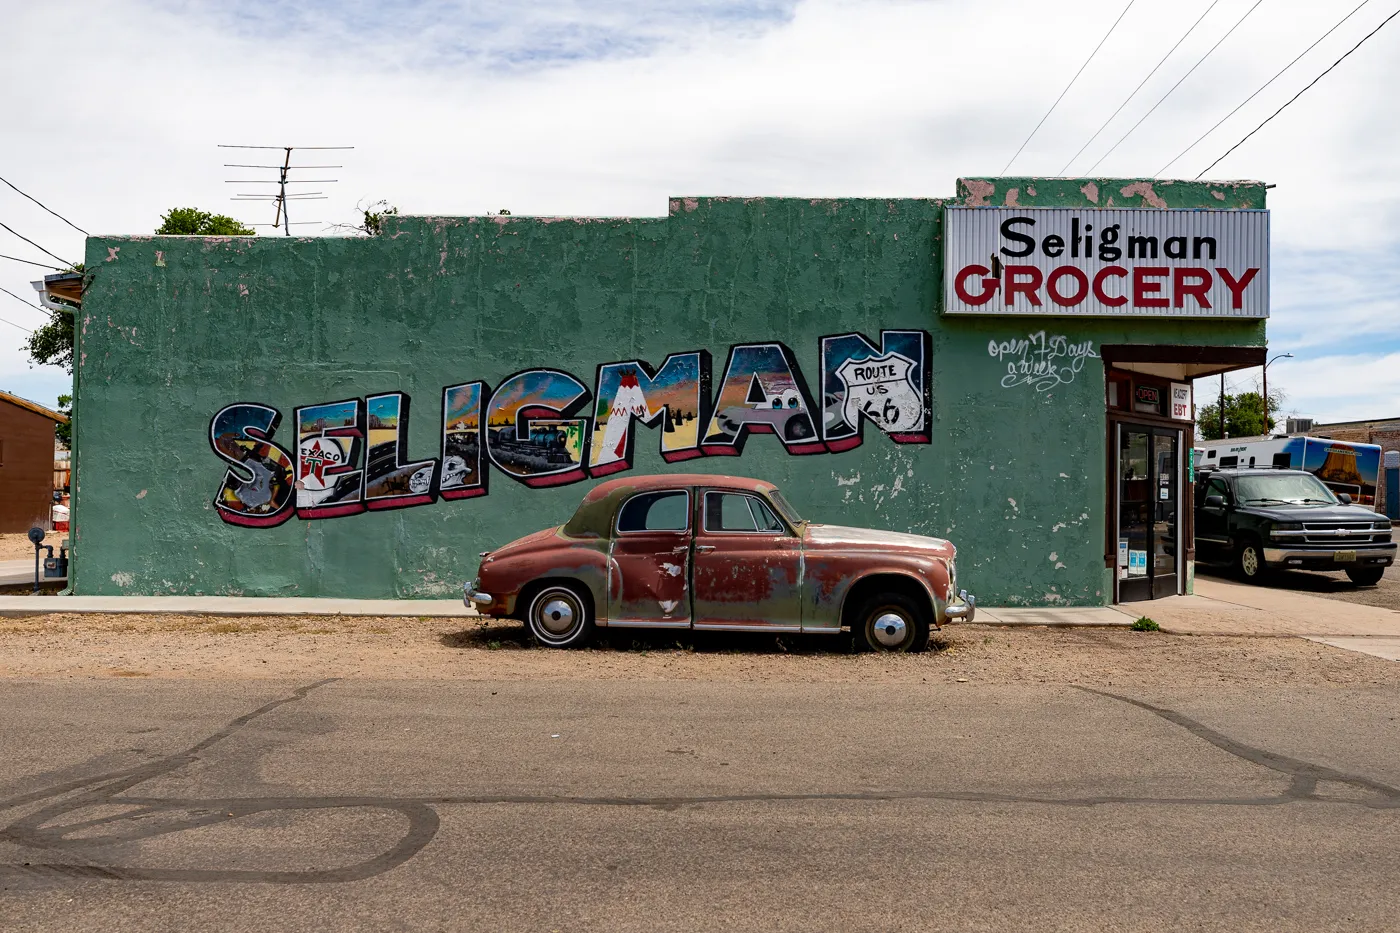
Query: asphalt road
373	805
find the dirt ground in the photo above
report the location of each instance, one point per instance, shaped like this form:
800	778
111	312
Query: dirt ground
162	646
14	547
1385	594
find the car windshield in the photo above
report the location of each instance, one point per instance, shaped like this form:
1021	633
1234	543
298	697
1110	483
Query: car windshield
1286	487
784	507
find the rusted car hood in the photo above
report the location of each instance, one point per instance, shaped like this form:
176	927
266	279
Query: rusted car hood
833	537
530	540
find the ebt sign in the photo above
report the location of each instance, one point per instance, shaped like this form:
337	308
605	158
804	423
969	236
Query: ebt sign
1137	263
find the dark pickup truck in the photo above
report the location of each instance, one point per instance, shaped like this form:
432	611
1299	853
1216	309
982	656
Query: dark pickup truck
1263	520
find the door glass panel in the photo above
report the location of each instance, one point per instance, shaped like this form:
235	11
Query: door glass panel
1134	499
1164	506
655	511
727	512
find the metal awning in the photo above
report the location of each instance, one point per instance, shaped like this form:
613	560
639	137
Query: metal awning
1182	363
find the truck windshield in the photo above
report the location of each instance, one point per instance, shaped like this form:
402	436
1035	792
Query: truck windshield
1285	487
782	506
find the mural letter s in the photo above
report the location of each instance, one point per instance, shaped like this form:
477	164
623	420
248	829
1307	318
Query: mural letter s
257	488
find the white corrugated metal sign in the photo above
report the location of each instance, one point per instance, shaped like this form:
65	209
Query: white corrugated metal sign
1069	262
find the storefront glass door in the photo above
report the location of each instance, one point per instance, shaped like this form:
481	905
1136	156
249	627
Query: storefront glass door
1149	519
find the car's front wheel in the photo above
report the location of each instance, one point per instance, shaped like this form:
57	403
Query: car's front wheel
891	622
559	617
1366	576
1249	561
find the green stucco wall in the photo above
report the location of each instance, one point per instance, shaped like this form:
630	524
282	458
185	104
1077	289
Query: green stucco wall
175	328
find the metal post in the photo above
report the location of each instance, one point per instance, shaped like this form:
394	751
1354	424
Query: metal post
36	568
1222	405
1267	432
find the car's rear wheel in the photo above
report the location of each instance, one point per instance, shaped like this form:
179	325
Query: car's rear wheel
891	622
1366	576
1249	561
560	617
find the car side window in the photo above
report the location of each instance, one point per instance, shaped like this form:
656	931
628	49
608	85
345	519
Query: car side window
655	511
733	512
1217	487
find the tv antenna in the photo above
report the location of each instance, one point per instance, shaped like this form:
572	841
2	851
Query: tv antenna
282	198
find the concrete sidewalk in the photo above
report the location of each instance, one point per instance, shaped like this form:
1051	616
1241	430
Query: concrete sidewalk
20	572
1222	608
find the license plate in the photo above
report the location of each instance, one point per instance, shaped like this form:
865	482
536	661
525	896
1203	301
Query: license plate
1344	557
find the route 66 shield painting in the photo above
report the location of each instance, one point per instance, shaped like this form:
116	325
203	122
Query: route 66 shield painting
880	388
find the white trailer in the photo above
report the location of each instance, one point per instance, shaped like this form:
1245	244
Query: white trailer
1341	465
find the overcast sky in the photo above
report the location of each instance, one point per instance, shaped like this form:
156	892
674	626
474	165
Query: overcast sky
113	111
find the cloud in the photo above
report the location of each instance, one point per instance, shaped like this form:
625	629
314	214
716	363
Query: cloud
607	108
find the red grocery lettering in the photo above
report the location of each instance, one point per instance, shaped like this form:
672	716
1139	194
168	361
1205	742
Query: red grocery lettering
1113	301
1147	293
1027	288
1052	286
989	286
1196	288
1237	287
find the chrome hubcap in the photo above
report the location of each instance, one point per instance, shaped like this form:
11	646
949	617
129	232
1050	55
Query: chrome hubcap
1250	561
557	615
890	629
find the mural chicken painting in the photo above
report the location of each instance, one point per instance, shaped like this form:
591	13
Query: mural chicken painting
537	427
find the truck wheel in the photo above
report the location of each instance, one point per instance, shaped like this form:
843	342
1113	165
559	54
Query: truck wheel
891	622
559	617
1249	561
1366	576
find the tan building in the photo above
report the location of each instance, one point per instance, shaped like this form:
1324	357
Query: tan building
1383	431
26	463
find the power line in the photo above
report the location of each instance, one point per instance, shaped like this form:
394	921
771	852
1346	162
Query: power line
1198	64
41	265
1300	93
49	209
1261	88
23	302
1070	85
1139	87
35	245
13	324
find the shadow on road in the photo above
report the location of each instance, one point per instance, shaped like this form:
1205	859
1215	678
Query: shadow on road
502	634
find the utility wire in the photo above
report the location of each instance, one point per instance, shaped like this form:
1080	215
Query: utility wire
1300	93
41	265
1261	88
13	324
35	245
24	301
1070	85
49	209
1141	83
1188	74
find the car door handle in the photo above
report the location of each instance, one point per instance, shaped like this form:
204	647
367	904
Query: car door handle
701	548
683	549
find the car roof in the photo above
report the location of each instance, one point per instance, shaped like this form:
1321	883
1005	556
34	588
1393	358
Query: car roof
593	519
1250	471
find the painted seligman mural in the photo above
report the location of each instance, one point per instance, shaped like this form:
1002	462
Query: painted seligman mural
546	427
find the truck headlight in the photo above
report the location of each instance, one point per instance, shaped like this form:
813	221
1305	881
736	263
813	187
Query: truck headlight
1285	526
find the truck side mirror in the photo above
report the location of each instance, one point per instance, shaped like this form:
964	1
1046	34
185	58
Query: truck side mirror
1215	502
1344	497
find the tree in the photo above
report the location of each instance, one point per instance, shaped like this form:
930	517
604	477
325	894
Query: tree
64	432
191	221
1244	415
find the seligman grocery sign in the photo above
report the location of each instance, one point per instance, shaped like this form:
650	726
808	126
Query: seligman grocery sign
1140	263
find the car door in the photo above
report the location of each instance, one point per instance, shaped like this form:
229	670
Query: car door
1212	531
649	578
748	566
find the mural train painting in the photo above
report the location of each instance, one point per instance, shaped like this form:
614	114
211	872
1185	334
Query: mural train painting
538	428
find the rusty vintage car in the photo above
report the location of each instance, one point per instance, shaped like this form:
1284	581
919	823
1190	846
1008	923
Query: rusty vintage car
688	551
